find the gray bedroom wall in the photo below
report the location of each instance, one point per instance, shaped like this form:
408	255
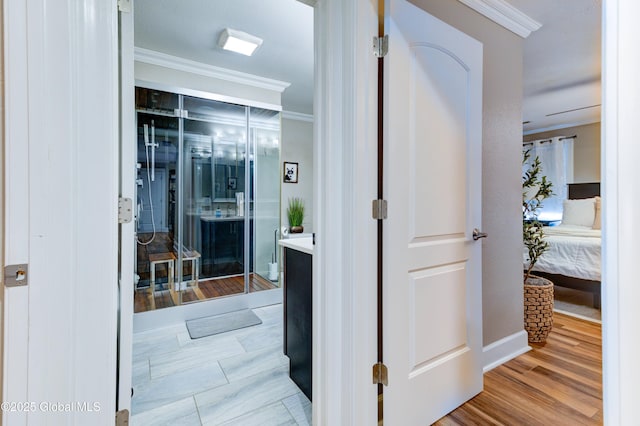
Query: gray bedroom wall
586	150
502	297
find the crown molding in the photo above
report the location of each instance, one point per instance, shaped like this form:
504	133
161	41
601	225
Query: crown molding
180	64
290	115
504	14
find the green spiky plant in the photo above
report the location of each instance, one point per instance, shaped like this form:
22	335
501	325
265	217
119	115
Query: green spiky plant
535	189
295	211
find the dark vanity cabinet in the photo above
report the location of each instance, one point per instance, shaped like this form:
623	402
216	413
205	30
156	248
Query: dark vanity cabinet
223	246
298	316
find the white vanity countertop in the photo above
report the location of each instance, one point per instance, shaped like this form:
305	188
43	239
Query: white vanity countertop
304	245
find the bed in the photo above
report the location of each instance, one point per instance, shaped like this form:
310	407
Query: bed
573	258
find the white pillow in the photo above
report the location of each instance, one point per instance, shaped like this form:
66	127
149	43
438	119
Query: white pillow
597	222
579	212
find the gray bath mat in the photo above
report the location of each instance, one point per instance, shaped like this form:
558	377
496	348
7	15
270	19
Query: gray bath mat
209	326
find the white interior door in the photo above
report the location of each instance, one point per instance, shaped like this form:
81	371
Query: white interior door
432	317
61	218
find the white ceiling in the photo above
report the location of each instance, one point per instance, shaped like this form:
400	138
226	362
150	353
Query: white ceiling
190	29
561	59
562	62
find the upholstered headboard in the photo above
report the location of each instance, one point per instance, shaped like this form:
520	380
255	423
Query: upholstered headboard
583	190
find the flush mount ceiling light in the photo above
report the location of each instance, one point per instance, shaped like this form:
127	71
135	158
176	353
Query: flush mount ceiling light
239	41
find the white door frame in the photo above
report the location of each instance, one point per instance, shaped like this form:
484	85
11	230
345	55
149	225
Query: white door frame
620	251
128	158
345	150
345	183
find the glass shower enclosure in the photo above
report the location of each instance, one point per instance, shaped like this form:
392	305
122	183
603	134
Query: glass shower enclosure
208	199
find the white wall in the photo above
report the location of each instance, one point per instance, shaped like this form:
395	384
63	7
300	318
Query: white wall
620	226
297	147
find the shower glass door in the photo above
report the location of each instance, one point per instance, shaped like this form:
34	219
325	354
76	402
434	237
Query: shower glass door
156	197
264	133
214	219
208	199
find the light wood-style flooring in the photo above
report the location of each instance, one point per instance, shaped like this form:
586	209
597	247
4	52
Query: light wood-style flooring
206	290
162	242
557	383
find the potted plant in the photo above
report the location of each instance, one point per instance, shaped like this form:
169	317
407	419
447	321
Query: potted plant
295	213
538	291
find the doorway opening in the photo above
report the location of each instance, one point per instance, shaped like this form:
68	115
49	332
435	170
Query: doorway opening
562	117
211	132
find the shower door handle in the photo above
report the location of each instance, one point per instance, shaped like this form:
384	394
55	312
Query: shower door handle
477	234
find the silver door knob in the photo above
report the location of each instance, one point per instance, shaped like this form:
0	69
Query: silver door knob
477	234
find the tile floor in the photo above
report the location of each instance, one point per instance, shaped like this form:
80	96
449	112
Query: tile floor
236	378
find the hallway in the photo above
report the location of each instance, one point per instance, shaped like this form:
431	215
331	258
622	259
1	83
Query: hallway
556	383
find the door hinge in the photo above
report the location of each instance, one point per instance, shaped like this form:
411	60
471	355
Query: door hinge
125	210
122	418
16	275
380	46
124	6
379	209
380	375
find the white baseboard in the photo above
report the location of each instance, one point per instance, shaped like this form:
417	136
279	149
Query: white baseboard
505	349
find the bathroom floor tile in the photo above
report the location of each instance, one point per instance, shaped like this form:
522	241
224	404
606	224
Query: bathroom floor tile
248	364
179	413
270	315
192	356
261	337
235	399
176	386
300	408
155	342
240	377
140	372
270	415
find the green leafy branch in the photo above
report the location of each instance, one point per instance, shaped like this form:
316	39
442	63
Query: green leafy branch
535	189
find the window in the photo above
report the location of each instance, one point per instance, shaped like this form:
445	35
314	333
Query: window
556	158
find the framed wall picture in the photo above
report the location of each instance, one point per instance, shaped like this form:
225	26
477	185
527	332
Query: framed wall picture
232	183
290	174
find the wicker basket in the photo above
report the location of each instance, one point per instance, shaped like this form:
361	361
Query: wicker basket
538	308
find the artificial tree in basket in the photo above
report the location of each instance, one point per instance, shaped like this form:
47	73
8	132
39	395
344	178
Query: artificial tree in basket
538	291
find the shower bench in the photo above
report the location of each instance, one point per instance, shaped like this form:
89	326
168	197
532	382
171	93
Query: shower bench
158	259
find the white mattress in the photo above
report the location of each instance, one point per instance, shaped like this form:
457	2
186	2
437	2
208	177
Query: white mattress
574	251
